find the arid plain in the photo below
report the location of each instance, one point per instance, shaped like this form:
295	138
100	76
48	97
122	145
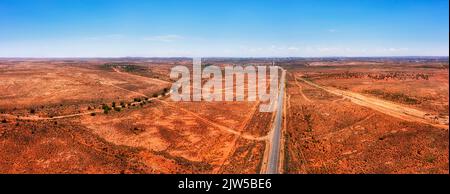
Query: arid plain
116	116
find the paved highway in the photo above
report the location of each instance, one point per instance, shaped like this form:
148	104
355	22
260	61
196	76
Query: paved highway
274	151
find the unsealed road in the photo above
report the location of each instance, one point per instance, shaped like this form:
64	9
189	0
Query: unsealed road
386	107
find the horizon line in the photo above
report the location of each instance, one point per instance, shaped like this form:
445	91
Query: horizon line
232	57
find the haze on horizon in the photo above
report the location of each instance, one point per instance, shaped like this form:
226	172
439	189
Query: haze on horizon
223	28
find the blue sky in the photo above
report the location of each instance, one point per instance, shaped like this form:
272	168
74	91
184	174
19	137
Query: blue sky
235	28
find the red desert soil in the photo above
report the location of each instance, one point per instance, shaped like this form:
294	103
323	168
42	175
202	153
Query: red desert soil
55	122
115	116
335	127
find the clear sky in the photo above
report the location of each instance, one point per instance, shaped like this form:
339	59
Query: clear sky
235	28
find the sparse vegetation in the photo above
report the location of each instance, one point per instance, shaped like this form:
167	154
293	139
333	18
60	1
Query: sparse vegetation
106	108
396	97
324	133
430	158
307	118
399	76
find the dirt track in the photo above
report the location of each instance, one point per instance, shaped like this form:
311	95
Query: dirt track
301	91
36	118
211	123
141	77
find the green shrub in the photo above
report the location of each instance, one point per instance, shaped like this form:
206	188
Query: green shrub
106	108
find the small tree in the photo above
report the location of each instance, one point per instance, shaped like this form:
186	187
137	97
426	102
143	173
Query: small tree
32	111
4	121
106	108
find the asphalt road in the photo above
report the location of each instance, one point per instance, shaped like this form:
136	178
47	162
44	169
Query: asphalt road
274	152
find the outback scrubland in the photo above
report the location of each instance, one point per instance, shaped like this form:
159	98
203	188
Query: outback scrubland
114	116
367	117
